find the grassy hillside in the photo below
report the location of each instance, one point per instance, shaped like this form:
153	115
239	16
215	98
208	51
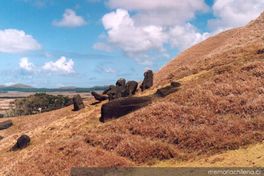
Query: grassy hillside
215	119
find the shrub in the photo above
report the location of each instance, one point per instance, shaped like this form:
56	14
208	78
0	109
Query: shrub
40	102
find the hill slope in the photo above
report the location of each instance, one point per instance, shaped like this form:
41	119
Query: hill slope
21	86
223	49
218	113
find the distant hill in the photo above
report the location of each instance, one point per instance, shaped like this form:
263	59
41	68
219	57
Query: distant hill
68	87
28	88
22	86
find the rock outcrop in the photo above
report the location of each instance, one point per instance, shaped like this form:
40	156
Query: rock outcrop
122	106
77	103
22	142
121	83
121	89
261	51
165	91
148	80
99	97
131	88
175	84
108	89
6	124
113	93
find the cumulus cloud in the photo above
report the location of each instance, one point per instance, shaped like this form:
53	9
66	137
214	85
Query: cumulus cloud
132	39
144	29
15	41
185	36
140	27
62	65
24	64
139	41
234	13
160	12
70	19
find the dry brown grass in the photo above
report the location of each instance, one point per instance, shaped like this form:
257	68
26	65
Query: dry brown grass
188	132
219	108
57	144
57	158
133	147
222	49
244	157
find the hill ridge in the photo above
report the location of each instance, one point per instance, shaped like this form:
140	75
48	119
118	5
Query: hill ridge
218	110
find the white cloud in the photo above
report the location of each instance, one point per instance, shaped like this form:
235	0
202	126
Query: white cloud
132	39
140	27
185	36
70	19
234	13
145	43
148	25
160	12
62	65
143	29
15	41
155	4
25	64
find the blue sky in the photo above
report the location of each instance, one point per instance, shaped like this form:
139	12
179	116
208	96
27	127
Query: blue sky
48	43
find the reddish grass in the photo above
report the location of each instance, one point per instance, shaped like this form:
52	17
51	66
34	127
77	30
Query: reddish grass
133	147
222	111
56	159
220	108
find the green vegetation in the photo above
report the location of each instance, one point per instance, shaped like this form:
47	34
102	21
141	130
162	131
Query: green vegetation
40	102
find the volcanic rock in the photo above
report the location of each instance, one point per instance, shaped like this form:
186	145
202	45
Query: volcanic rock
175	84
148	80
131	88
77	103
122	106
108	89
165	91
22	142
114	92
121	87
6	124
261	51
99	97
121	83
